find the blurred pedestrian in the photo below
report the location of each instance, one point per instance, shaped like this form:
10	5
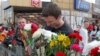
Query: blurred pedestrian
84	34
93	33
98	33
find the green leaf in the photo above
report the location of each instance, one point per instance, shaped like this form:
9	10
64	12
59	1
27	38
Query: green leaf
54	37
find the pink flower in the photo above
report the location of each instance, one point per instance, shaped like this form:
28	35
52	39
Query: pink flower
76	48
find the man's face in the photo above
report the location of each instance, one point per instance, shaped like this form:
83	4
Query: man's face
21	23
86	24
51	21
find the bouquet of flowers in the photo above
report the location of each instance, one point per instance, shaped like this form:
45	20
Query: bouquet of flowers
75	39
58	46
38	38
42	34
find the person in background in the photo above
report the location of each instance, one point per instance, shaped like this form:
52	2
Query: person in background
26	36
98	33
84	34
93	33
54	20
21	36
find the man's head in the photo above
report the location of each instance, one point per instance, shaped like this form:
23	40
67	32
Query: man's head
52	15
21	22
86	23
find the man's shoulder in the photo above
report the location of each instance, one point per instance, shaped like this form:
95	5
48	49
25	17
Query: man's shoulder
48	28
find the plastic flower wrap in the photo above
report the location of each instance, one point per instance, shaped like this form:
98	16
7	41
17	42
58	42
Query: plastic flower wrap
90	46
59	45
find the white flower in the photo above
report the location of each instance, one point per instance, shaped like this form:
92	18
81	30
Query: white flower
47	34
37	33
27	27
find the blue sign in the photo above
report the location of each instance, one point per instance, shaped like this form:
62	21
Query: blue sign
81	5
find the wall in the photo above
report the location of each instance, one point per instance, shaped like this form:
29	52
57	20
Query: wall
26	3
64	4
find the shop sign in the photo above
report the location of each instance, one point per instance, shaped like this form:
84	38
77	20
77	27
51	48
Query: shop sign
35	3
81	5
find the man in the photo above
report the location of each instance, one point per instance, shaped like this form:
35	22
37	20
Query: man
84	34
54	20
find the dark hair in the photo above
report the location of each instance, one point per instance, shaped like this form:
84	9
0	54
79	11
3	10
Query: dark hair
51	10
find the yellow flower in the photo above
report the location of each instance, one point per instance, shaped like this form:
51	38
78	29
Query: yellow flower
56	42
61	37
52	43
66	42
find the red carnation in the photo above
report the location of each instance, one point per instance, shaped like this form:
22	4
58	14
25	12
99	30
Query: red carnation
94	52
34	27
75	35
78	36
10	33
60	53
72	35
